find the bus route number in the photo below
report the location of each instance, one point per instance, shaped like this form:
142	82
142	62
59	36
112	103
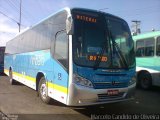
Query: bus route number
94	58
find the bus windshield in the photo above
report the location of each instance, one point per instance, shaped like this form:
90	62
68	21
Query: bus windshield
102	42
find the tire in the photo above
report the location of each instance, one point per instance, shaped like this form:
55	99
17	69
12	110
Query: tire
43	91
145	80
11	80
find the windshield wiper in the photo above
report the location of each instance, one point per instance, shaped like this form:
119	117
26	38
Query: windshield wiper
99	57
118	50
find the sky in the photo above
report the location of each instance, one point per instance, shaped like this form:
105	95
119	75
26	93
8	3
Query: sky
33	11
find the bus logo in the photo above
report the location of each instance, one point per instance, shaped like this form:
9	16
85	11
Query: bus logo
113	82
37	60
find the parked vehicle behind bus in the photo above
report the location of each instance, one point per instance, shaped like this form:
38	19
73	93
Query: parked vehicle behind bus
2	50
147	47
75	56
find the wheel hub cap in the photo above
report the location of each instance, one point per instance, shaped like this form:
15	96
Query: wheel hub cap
43	91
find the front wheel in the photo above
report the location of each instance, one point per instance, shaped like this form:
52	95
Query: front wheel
43	91
145	80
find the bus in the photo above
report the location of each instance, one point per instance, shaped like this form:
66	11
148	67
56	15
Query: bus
2	49
74	57
147	49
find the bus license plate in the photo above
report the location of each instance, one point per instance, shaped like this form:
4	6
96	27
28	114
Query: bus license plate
113	92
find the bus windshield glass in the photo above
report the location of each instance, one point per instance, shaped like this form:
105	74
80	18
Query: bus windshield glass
102	42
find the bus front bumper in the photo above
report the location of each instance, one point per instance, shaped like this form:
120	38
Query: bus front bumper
83	96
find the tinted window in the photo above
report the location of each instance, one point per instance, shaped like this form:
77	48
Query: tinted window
145	47
158	47
61	48
1	55
140	48
92	41
121	43
149	47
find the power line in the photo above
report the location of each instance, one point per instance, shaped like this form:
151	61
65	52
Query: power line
27	14
16	8
10	34
11	18
12	5
23	12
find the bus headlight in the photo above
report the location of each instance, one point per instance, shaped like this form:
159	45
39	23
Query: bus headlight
133	80
82	81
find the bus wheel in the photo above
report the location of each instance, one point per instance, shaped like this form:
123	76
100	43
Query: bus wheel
43	91
145	80
11	80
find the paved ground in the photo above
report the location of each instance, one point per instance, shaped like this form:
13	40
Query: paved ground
22	102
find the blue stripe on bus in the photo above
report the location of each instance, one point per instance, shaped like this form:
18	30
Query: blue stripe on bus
39	61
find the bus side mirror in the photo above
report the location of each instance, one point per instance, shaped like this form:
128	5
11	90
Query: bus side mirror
69	25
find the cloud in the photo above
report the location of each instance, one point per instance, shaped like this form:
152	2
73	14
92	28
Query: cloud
5	38
7	30
48	6
5	26
65	3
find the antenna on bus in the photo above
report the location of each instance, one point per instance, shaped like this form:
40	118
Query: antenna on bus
102	9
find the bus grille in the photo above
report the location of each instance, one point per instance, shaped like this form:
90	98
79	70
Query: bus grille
103	85
106	97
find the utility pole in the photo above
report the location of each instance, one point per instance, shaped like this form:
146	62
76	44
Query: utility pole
20	13
136	27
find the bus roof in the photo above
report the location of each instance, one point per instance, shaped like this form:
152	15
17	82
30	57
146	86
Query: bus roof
97	11
32	26
68	10
146	35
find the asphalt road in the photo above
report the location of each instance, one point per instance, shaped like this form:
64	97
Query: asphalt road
21	102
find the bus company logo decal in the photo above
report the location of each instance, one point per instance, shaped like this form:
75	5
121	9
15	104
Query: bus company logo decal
118	83
37	60
113	82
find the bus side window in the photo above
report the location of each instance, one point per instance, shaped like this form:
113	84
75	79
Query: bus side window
149	46
158	47
61	48
140	48
145	47
140	52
